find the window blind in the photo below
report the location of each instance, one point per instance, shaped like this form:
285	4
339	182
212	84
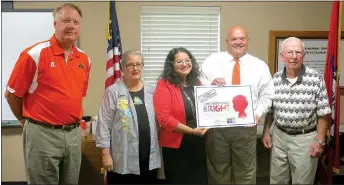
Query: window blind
166	27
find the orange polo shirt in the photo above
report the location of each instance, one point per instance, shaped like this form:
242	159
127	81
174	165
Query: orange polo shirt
51	85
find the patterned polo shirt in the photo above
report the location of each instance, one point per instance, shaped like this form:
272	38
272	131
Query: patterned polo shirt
296	106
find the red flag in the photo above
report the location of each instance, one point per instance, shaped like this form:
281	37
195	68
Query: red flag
330	161
114	49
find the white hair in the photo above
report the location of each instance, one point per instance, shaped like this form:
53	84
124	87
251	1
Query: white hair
125	56
57	11
290	39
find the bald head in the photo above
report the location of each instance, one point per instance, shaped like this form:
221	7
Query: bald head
237	41
235	29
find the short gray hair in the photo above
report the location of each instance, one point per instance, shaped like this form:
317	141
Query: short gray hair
292	39
70	5
128	53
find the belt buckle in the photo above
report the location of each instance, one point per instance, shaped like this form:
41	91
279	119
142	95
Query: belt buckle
66	127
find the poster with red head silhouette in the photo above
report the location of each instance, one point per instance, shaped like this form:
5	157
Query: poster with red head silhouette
224	106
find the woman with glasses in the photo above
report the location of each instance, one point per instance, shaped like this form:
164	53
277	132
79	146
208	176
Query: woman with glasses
126	128
183	147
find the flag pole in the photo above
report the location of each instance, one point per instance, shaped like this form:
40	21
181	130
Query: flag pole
107	36
335	167
339	39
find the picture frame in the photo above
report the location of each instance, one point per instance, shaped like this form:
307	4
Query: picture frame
315	50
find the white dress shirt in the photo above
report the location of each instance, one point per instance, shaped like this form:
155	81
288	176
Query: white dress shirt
253	72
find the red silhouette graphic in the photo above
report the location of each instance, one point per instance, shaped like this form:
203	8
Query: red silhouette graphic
239	104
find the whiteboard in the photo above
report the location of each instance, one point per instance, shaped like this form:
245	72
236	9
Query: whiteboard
20	29
315	55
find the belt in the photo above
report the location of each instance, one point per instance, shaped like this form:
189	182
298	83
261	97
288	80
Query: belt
67	127
297	132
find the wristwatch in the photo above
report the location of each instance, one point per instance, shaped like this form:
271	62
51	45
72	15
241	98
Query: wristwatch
320	142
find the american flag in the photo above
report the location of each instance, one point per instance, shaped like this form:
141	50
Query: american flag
114	52
114	49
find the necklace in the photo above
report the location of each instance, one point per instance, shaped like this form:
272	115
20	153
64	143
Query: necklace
189	100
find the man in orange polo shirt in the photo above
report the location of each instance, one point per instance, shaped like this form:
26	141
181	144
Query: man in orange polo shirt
45	94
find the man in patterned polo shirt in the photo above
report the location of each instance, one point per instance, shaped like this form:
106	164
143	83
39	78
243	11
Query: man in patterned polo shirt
300	110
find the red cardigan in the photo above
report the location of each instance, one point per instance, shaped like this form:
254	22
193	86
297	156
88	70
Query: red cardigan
169	110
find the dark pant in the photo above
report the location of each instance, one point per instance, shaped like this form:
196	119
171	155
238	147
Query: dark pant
146	176
186	164
149	177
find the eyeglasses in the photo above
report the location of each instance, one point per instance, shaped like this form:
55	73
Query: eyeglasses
132	66
291	53
181	62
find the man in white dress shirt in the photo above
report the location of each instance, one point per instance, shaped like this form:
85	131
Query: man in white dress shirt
231	152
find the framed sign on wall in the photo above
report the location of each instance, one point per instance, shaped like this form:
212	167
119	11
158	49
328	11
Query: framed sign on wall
315	50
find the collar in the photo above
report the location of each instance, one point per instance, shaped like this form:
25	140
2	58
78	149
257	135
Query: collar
58	50
299	77
241	59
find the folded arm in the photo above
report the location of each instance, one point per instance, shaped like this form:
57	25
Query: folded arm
19	83
16	104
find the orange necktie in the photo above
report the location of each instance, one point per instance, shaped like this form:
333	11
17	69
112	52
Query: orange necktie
236	73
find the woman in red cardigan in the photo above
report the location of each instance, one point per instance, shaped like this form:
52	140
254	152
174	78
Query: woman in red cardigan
183	146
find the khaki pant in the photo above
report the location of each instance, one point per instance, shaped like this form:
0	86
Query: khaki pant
52	156
290	158
231	155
